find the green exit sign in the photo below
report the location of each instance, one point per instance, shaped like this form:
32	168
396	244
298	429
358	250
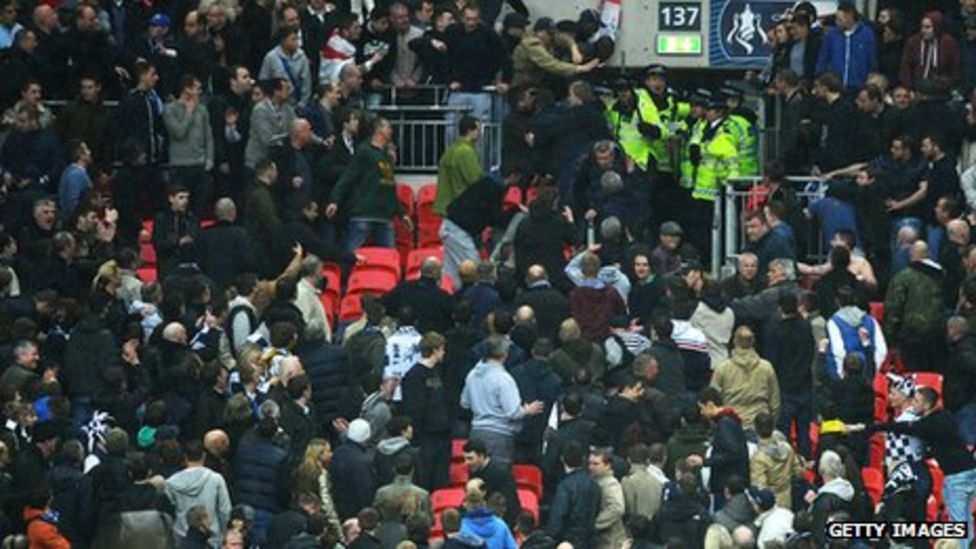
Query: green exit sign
669	43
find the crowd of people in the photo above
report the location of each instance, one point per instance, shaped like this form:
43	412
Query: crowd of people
217	399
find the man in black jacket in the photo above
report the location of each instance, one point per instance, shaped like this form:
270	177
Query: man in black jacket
297	416
730	455
572	428
352	475
173	227
960	377
577	503
432	304
224	248
940	434
424	402
550	306
334	392
790	349
498	478
230	122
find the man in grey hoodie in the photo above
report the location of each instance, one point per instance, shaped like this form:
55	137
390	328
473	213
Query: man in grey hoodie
198	485
493	397
836	494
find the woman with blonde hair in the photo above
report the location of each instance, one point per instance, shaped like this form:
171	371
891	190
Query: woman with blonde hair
312	476
480	521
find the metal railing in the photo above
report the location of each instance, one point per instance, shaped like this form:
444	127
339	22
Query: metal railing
741	195
423	133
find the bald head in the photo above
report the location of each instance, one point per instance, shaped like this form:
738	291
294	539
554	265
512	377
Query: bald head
535	274
45	18
431	268
174	332
919	251
216	442
301	132
524	315
225	210
957	231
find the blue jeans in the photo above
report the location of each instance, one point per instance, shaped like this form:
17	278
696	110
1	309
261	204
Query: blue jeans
458	247
797	408
934	236
966	418
959	490
360	230
500	447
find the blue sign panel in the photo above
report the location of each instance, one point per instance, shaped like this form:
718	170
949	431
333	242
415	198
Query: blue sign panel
739	33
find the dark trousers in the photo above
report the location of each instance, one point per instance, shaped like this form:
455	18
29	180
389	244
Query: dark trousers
797	408
435	462
923	354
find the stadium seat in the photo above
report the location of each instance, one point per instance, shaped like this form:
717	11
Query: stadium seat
426	196
331	296
446	498
512	199
447	284
936	508
405	195
931	380
877	310
459	474
530	502
147	274
457	449
379	258
204	223
350	308
335	270
873	483
378	281
528	477
880	386
404	240
876	450
146	249
416	257
429	232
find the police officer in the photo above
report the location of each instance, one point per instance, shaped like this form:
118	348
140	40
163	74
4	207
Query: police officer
626	124
662	116
713	157
743	122
695	122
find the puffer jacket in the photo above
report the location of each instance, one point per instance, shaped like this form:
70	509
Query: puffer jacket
334	391
914	303
574	509
261	468
774	466
748	384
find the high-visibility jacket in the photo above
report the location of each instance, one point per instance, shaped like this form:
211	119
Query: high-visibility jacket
687	179
746	143
718	163
670	120
626	131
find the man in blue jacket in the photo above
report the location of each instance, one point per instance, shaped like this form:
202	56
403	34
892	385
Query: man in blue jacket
849	49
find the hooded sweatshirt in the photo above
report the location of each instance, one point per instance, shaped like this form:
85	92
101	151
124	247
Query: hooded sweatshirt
842	334
774	466
485	525
492	395
748	384
935	58
199	486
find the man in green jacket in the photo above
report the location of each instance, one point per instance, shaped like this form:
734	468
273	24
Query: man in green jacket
367	192
457	170
914	312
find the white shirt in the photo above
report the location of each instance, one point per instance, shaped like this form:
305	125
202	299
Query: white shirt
402	352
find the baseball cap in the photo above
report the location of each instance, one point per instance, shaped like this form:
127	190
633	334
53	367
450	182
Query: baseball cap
159	20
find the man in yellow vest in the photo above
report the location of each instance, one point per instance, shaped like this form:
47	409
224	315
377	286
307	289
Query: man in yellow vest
744	123
661	123
714	159
625	124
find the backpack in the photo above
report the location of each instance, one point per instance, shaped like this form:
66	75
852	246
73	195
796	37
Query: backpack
252	320
616	352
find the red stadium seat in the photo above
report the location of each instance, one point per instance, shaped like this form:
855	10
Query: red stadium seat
330	296
528	477
446	498
379	258
936	501
457	449
880	386
426	196
512	199
447	284
873	483
876	450
405	195
459	474
530	502
367	280
877	310
147	274
930	380
429	232
428	223
146	249
333	269
416	257
351	308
